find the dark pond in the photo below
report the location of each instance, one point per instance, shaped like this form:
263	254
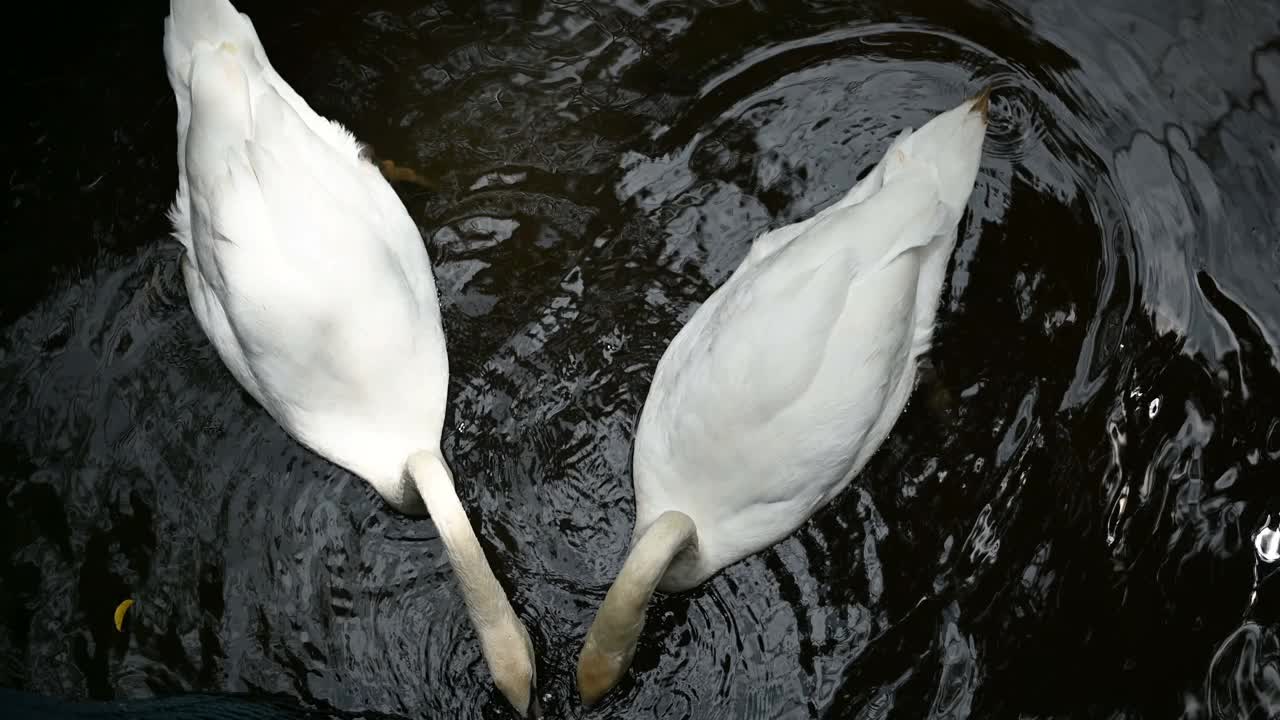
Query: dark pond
1062	523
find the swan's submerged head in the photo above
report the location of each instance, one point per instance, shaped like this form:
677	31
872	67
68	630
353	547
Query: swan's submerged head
600	667
504	640
611	642
509	653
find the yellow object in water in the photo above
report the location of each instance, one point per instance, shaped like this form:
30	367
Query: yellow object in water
121	609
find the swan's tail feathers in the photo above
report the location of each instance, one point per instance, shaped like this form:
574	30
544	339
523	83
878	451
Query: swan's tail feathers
192	29
212	146
193	24
221	113
949	147
982	104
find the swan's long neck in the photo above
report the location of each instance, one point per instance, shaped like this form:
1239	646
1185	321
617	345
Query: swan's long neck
648	561
611	642
504	641
486	601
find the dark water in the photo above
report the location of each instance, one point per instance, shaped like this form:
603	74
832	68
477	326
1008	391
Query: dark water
1062	523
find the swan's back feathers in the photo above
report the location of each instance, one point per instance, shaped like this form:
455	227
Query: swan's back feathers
771	241
801	281
326	201
193	23
220	90
792	373
291	228
771	329
195	27
302	263
951	143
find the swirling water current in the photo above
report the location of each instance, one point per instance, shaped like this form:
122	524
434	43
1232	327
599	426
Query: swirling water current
1071	519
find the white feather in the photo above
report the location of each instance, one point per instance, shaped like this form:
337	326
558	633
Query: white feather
790	376
303	266
311	280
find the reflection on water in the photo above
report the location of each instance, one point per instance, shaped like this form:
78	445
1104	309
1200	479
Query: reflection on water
1074	517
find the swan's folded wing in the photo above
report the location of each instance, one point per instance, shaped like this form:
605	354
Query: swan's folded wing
769	333
312	292
335	209
778	238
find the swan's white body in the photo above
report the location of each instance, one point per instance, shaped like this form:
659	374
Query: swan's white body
302	265
789	377
310	278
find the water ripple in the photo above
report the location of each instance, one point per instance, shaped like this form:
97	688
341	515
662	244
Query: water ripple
1076	514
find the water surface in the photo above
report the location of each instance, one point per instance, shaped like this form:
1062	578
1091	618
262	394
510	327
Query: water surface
1062	524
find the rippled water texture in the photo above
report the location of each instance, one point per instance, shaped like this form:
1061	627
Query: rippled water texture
1062	523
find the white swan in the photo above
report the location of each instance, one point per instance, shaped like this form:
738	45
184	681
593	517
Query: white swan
788	378
308	275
